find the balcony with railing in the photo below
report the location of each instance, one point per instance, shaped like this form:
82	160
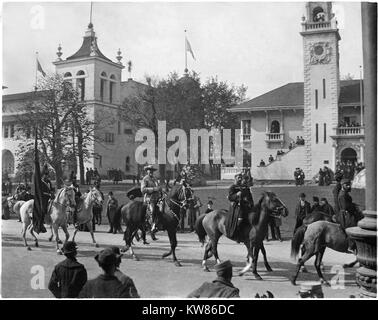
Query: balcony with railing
310	26
350	131
245	137
274	137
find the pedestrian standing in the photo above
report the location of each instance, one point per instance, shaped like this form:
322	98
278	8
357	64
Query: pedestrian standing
301	211
69	276
111	211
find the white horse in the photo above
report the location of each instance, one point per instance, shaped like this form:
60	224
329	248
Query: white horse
57	209
85	214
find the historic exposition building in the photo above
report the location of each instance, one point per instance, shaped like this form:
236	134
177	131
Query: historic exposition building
326	111
98	80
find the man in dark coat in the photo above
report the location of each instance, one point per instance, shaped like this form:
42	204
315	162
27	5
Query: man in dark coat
348	215
301	211
336	191
241	204
327	208
106	285
69	276
111	213
316	205
221	287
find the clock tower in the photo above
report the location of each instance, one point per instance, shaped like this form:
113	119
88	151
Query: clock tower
321	85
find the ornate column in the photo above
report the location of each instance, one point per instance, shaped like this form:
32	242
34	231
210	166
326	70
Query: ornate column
365	234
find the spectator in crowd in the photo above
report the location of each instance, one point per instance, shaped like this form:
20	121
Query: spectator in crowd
194	212
302	210
321	177
69	276
271	159
262	163
8	187
107	284
298	141
316	205
111	213
221	287
88	177
209	206
124	279
327	209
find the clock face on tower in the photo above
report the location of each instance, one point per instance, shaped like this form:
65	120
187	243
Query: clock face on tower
320	53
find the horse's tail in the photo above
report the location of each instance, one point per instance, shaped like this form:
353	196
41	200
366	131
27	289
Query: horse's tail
200	230
297	240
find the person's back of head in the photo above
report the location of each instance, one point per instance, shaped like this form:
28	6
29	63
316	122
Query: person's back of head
224	270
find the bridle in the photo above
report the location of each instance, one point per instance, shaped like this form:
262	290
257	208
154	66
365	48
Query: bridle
65	195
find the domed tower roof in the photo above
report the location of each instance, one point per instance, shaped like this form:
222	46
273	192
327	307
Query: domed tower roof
89	46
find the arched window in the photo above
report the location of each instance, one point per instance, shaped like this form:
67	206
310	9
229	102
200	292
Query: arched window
80	73
67	75
113	77
111	88
103	74
318	14
8	161
275	127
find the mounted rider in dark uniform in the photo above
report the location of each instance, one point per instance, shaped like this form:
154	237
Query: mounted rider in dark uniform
47	191
349	214
241	203
75	186
152	192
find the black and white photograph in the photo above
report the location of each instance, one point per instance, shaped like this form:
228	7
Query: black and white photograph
189	151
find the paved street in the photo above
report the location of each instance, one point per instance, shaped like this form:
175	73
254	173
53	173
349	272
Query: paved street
157	278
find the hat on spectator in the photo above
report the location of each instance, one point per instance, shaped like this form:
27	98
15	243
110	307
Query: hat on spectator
106	257
149	167
69	247
302	195
223	267
315	199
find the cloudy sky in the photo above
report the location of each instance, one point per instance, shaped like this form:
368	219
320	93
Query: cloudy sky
252	43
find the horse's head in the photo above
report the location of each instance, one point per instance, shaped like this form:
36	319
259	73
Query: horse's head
96	196
69	196
274	204
181	196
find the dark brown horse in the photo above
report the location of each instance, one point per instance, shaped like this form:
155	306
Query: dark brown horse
315	238
134	217
252	232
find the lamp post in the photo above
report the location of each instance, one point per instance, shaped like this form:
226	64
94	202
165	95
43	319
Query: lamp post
365	234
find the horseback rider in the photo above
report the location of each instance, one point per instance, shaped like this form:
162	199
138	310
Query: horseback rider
75	186
47	193
152	192
241	202
349	215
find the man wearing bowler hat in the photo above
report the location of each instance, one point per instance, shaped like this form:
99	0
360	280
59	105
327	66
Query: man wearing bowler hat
221	287
152	192
69	276
301	211
106	285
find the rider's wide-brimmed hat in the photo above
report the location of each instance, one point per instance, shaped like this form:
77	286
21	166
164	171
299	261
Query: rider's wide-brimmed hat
149	167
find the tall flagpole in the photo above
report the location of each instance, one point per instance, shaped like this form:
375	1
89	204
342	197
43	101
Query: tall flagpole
186	56
36	70
90	18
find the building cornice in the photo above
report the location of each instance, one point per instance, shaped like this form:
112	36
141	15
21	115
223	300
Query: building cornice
117	65
271	108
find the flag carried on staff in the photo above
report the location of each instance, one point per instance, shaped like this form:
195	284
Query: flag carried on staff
188	47
39	68
38	214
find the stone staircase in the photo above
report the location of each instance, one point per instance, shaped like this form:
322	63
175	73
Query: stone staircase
283	167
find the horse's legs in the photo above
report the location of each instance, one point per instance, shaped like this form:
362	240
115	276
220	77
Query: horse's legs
248	266
76	230
173	242
65	230
34	236
206	256
52	234
255	257
307	254
350	265
90	227
214	247
23	231
56	231
318	261
267	266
